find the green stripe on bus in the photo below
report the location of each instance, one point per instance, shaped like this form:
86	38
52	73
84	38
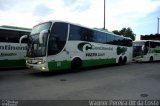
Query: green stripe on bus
53	65
156	51
12	63
97	62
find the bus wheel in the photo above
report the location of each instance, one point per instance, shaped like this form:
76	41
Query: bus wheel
76	63
151	59
120	61
124	60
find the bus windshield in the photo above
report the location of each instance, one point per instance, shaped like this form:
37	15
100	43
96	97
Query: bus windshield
137	49
35	48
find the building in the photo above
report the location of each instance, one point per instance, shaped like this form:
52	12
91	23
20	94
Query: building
150	37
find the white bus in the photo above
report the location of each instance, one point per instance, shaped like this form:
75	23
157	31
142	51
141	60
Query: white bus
146	50
57	45
12	53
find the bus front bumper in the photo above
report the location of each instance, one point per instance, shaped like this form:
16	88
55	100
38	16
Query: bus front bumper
41	67
137	59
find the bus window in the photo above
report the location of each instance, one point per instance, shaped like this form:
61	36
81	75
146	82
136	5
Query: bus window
153	44
101	38
12	36
57	38
76	33
110	39
3	37
89	35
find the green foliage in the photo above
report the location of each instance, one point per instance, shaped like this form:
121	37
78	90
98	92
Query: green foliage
116	32
127	32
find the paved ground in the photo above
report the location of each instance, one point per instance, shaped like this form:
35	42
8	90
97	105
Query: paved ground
131	81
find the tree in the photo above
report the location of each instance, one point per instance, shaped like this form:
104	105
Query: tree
127	32
116	32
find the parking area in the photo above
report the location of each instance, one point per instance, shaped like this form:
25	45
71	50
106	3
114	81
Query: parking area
131	81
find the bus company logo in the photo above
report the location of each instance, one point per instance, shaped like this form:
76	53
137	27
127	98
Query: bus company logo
121	50
84	46
11	47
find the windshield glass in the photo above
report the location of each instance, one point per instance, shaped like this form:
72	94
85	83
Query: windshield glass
35	48
137	48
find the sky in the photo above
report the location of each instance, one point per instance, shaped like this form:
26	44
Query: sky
139	15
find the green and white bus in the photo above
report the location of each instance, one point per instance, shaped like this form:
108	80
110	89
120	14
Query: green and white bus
57	45
12	53
146	50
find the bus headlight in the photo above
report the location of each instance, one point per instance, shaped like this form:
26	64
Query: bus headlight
43	68
40	62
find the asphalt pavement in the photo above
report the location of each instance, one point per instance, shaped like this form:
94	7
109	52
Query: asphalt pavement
132	81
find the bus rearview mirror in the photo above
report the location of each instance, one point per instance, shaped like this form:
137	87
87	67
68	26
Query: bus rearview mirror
22	37
142	47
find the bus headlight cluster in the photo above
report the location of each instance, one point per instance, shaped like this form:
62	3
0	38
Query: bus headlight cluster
40	62
43	68
28	61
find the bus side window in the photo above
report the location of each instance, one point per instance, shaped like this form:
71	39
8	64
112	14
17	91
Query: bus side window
58	37
83	33
87	34
146	48
13	36
101	38
2	36
76	33
52	46
110	39
152	44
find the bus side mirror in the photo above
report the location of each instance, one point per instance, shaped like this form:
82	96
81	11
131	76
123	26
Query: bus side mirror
142	47
42	33
22	37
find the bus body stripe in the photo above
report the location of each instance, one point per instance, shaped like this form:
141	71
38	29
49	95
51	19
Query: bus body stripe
12	63
53	65
96	62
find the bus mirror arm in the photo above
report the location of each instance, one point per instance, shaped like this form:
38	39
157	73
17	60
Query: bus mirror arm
22	37
41	36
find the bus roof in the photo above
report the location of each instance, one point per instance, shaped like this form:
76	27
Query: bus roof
105	31
96	29
101	30
14	28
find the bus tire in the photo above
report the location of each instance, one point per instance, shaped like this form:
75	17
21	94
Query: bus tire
151	59
125	60
76	63
120	61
